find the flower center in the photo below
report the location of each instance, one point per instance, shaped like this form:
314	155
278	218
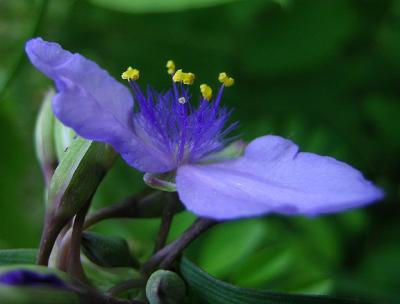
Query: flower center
171	125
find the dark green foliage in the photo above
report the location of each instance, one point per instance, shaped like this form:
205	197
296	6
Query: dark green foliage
323	73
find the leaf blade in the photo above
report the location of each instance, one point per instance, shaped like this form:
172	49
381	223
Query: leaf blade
18	256
219	292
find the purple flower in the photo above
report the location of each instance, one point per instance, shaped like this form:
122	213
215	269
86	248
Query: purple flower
165	132
24	277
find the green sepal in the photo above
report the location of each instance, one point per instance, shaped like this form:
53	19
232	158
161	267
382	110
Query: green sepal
107	251
18	256
231	151
78	175
215	291
163	181
44	136
165	287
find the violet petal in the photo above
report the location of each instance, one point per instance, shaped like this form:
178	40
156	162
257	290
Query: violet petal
273	177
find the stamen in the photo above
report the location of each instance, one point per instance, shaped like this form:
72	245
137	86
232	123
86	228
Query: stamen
182	100
171	67
188	78
178	76
131	74
225	80
206	91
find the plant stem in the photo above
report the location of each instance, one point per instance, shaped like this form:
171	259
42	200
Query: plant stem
75	268
166	256
52	228
147	204
165	226
126	285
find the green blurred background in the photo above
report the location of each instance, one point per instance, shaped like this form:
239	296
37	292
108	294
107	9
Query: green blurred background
324	73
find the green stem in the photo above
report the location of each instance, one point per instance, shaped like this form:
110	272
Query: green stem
165	226
166	256
126	285
52	228
75	268
143	205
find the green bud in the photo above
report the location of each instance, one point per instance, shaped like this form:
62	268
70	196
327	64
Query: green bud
78	175
63	137
44	137
163	181
165	287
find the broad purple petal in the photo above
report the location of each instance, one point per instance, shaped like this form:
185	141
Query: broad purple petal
273	177
93	103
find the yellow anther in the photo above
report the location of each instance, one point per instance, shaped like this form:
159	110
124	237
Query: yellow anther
188	78
178	76
225	80
131	74
171	67
206	91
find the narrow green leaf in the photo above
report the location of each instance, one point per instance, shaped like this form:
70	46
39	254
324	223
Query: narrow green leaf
17	256
215	291
35	295
107	251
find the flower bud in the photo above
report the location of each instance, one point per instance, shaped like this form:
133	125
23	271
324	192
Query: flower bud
44	137
165	287
78	175
63	137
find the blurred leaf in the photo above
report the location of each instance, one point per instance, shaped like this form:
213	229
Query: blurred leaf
297	39
218	256
388	38
263	266
286	249
146	6
107	251
18	256
218	292
384	112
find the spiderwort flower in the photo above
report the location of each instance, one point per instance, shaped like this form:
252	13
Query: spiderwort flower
166	132
23	277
